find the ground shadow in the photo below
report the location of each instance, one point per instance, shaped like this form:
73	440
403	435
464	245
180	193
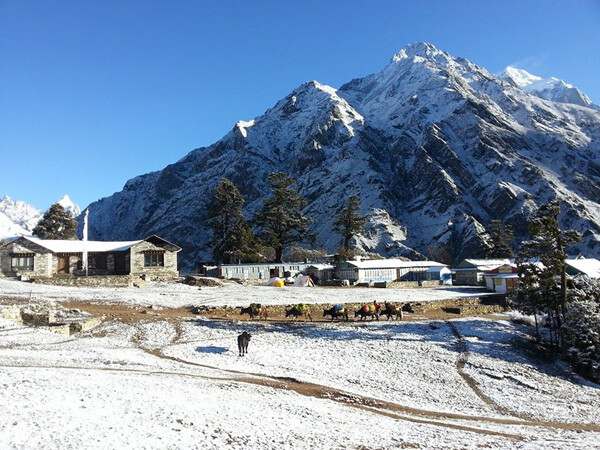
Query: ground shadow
212	349
500	340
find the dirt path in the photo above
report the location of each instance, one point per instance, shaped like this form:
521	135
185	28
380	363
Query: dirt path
463	357
389	409
375	405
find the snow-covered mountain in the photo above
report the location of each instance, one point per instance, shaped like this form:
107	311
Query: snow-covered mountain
435	146
552	88
17	218
68	205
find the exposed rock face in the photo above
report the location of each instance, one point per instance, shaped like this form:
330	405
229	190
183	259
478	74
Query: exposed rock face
435	146
17	218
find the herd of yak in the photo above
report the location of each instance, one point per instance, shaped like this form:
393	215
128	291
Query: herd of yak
373	310
339	311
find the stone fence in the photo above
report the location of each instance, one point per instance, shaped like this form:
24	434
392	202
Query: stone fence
93	281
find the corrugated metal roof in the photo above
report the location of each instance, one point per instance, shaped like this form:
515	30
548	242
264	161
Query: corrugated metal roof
588	266
487	264
74	246
321	266
392	264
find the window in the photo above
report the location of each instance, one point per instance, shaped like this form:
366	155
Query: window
21	262
97	261
154	259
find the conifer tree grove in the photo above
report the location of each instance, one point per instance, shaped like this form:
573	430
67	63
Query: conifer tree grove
541	260
233	239
281	220
349	222
56	223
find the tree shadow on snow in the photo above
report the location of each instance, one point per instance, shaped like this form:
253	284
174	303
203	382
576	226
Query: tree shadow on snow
515	343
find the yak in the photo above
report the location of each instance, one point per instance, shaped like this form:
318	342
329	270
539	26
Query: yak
337	311
368	310
243	340
255	309
299	310
390	310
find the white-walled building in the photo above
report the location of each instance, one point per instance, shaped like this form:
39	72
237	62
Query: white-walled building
392	270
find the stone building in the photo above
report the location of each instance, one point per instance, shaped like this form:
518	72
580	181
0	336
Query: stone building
470	272
27	257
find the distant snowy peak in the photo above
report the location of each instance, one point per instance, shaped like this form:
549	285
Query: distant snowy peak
68	204
17	218
520	77
420	50
551	88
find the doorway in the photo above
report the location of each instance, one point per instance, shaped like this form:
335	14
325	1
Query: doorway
62	266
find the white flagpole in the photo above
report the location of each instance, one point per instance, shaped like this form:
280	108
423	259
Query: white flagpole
84	261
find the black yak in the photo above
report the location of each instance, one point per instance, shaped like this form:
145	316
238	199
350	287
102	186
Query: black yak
390	310
255	309
299	310
336	311
243	340
368	310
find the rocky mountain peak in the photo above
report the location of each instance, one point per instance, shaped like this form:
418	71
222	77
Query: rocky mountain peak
17	218
420	50
68	205
429	141
552	88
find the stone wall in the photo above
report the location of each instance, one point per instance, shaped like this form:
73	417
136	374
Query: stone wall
41	262
468	278
167	272
93	281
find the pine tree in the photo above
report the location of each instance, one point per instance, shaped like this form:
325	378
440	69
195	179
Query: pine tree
242	246
501	237
233	239
349	222
56	223
582	327
281	220
538	290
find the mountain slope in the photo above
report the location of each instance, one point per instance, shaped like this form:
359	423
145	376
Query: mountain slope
550	88
435	146
17	218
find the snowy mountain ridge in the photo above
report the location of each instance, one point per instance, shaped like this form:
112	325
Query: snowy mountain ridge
18	218
435	146
551	88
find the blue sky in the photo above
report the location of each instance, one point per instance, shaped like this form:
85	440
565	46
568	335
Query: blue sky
94	93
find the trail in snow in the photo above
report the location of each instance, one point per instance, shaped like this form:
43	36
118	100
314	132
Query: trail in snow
376	405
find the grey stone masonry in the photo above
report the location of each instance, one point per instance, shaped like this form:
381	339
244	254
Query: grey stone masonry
42	259
138	257
152	259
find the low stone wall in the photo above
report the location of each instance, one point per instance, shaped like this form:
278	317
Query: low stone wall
93	281
414	284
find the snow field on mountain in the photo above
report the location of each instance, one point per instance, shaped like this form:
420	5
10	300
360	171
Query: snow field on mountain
175	295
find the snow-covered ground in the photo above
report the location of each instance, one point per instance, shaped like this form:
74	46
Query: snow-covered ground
465	383
175	295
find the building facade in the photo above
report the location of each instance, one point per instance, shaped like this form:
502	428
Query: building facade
152	258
